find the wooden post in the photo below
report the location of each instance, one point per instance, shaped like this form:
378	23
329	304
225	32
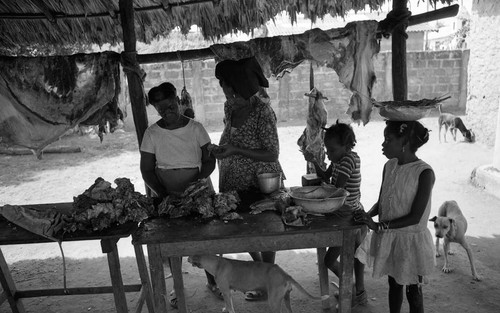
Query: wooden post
9	288
109	247
323	279
399	77
129	59
146	291
346	269
157	278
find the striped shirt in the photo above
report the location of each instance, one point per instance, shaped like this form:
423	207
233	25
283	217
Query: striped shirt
350	166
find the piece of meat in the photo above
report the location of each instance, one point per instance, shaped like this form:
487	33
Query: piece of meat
360	105
312	137
186	103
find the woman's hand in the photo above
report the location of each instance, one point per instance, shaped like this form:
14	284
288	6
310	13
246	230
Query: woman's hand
361	216
224	151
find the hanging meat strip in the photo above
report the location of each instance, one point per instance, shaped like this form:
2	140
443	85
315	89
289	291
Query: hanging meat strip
312	137
186	103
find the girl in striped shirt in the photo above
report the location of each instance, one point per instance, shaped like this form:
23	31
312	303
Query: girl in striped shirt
344	172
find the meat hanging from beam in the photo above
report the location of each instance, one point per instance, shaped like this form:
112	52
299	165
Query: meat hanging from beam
43	97
349	51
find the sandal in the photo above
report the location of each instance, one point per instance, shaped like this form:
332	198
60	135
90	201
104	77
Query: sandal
215	291
173	299
255	296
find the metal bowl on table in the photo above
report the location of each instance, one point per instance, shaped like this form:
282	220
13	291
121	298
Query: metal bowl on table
269	182
319	199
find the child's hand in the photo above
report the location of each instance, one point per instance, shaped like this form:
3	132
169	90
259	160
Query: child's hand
361	216
308	156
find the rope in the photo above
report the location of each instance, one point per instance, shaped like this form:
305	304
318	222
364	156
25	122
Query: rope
182	65
130	65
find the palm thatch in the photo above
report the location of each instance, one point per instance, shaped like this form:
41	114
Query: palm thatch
43	23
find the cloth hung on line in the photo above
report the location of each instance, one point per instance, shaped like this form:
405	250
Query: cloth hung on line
43	97
347	50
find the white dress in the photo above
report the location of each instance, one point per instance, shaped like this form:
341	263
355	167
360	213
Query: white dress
403	253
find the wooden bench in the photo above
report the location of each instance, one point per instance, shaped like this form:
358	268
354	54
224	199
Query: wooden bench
12	234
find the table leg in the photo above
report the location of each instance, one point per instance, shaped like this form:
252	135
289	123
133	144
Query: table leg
176	263
8	286
109	247
143	274
157	278
323	279
346	269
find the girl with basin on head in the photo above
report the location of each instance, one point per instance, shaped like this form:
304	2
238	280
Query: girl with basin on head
402	246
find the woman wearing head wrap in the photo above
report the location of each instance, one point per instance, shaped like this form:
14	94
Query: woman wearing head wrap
249	142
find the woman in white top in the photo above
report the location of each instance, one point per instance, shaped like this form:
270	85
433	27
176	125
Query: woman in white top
174	149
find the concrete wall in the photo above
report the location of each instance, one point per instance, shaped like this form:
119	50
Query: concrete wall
484	70
430	74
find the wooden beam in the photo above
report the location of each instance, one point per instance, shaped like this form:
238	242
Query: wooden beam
26	151
35	293
135	84
399	76
188	55
37	16
45	9
435	15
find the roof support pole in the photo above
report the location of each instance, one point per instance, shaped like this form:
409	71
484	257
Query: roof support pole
132	69
399	76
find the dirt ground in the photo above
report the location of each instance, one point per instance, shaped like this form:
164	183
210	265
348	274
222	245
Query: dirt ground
59	177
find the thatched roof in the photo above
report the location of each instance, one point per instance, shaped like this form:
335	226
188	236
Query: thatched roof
41	23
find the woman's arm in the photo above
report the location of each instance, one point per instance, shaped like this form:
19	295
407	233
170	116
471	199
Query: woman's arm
257	154
148	165
207	162
425	184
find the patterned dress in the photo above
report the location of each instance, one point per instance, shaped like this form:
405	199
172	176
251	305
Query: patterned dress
403	253
259	131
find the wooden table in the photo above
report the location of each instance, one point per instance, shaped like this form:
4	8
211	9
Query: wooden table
12	234
262	232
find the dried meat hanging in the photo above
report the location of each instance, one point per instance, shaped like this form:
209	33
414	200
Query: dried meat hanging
311	140
186	102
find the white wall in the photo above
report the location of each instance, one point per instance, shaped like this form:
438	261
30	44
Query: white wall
484	70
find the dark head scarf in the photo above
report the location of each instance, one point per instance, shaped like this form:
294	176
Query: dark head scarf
245	76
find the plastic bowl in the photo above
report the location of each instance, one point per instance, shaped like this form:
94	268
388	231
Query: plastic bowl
318	199
269	182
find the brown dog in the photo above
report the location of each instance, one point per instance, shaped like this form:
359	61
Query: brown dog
250	276
451	225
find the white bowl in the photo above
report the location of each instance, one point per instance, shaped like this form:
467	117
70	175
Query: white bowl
319	199
269	182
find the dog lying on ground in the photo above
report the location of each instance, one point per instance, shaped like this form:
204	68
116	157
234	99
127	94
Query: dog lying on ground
451	225
246	276
453	122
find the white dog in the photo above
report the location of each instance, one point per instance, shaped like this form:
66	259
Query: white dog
451	225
